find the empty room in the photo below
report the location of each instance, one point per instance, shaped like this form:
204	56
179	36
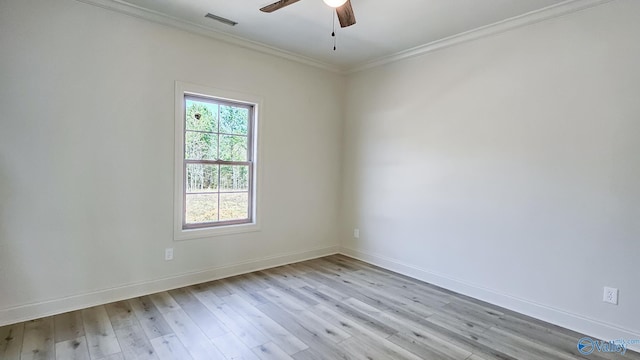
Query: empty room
319	179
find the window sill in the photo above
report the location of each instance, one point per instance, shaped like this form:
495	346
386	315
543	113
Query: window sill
191	234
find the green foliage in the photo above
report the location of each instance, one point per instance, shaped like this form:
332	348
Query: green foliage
233	148
216	133
234	178
233	120
200	146
202	178
202	139
207	112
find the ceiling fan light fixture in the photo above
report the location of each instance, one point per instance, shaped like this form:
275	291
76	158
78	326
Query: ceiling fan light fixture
335	3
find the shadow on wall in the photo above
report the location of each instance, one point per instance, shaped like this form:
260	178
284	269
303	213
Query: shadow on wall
10	272
5	253
374	161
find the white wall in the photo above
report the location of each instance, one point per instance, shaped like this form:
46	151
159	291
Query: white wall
508	168
86	156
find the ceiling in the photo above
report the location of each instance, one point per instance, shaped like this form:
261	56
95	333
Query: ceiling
383	28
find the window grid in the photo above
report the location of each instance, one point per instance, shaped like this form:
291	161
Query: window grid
218	163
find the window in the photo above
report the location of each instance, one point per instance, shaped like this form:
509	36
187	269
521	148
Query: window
215	162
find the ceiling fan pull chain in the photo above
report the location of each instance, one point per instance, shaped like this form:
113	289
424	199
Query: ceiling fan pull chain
333	33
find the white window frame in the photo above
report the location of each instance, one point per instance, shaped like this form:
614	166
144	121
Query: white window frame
182	89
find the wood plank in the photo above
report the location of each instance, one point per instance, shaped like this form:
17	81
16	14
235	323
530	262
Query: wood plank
429	339
11	338
353	291
381	272
306	318
73	349
481	316
199	313
519	347
359	350
276	297
286	276
284	288
38	341
216	287
391	319
250	294
169	347
99	333
424	295
428	345
242	328
193	339
350	312
295	270
364	336
397	279
251	282
308	354
149	317
116	356
275	331
68	326
461	326
475	357
551	336
132	339
121	315
393	296
345	266
164	302
271	351
317	345
413	335
469	344
328	291
232	348
425	351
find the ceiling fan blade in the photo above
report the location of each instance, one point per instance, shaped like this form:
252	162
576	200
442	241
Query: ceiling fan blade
278	5
345	14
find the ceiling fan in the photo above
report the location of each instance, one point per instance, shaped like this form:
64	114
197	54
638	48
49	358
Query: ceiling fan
343	9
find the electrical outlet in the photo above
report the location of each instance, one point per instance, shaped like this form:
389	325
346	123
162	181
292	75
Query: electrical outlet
356	233
610	295
168	254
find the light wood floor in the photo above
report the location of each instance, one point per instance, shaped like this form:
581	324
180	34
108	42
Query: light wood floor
329	308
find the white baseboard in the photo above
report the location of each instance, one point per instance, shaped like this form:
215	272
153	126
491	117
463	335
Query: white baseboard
590	327
32	311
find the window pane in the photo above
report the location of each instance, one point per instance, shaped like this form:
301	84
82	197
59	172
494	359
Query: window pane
234	206
201	116
201	208
234	120
234	178
233	148
202	178
200	146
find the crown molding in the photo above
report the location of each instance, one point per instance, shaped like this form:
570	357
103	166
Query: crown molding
532	17
158	17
